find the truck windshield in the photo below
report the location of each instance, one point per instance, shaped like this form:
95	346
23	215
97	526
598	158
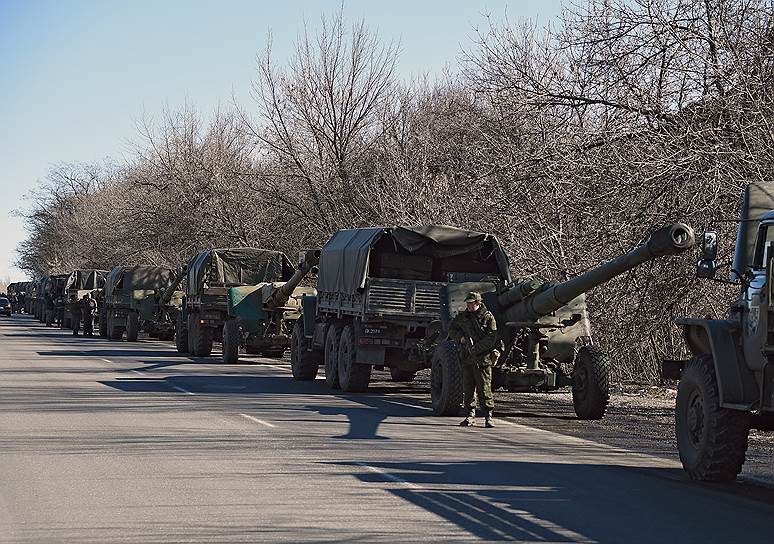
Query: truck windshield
763	249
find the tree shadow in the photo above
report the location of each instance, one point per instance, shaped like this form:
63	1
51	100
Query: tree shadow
557	502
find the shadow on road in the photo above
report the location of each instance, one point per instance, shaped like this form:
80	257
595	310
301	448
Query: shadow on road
364	420
539	501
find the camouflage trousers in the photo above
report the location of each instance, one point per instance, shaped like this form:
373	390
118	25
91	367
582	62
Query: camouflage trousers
477	382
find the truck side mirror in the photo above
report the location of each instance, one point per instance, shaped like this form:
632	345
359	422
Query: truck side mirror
707	266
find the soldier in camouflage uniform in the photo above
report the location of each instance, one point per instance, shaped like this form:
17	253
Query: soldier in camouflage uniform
475	331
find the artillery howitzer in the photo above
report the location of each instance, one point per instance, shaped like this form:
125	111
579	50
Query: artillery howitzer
262	316
212	273
545	331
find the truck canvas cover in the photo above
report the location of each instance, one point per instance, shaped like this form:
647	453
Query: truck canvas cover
86	280
345	258
237	266
135	278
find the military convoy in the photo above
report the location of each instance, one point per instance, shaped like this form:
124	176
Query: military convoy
385	297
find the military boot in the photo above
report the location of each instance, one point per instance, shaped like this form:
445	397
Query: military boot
489	421
470	420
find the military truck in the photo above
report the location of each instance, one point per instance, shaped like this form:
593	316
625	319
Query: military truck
378	303
55	299
130	299
262	317
545	335
79	283
211	273
727	387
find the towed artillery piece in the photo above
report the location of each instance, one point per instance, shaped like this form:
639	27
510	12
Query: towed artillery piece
212	273
262	317
544	329
130	301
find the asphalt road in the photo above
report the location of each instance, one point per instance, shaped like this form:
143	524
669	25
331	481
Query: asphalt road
105	441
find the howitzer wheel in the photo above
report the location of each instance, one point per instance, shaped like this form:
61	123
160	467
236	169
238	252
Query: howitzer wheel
230	345
353	377
331	354
303	363
132	326
446	380
712	441
590	383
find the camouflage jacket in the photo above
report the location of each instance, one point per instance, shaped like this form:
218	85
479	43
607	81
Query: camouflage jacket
476	335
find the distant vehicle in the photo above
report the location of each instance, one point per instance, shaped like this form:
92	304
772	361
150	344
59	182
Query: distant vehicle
5	306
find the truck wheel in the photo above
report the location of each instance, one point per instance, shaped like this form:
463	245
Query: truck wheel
712	440
331	354
230	345
303	363
114	331
202	340
353	377
446	380
103	330
181	335
398	375
132	326
590	383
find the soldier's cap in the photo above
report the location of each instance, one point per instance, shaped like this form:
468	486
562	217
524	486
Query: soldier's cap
473	297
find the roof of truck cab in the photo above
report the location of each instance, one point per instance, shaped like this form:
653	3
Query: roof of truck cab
344	259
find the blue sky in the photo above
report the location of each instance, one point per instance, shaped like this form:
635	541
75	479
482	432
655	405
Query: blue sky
76	76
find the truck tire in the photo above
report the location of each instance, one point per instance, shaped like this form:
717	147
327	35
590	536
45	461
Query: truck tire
303	363
202	340
230	345
446	380
181	334
132	326
712	441
353	377
190	328
103	329
114	331
331	354
590	383
399	375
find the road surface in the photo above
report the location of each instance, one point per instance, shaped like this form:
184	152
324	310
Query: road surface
105	441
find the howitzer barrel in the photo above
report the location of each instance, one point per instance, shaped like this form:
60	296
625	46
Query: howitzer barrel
166	296
670	240
281	295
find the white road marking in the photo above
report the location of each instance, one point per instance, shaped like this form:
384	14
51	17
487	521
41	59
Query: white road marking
286	369
389	476
260	421
108	361
135	371
409	405
178	388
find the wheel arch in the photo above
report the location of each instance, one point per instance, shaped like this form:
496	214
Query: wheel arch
719	339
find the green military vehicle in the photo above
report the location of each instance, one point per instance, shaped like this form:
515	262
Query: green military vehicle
262	316
211	275
378	303
79	283
131	300
36	299
727	387
55	299
544	331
